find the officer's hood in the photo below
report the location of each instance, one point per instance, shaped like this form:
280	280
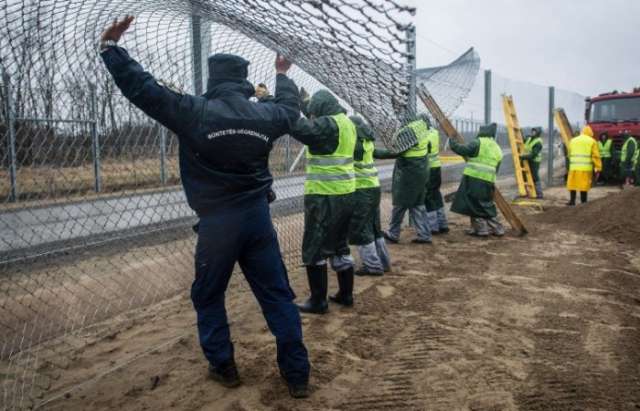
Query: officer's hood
489	130
228	74
323	103
364	131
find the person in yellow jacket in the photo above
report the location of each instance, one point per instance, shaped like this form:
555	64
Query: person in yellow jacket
584	161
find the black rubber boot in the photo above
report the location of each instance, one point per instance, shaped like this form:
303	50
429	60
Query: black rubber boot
345	292
317	303
226	375
296	390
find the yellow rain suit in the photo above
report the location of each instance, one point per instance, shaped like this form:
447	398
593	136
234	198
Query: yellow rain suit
581	179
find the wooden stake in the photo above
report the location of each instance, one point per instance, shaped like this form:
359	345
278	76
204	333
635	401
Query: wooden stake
452	133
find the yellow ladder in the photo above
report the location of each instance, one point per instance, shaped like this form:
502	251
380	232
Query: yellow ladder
524	178
566	132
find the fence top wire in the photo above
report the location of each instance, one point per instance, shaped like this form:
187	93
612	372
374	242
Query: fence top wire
357	49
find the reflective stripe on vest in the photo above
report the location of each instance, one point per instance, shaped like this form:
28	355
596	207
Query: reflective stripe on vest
484	166
421	131
580	153
434	154
530	144
625	148
366	171
333	174
605	148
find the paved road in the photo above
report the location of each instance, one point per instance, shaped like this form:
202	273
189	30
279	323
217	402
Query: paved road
44	229
37	227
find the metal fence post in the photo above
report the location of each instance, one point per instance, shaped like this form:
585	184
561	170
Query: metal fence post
95	139
196	53
287	153
411	51
11	141
163	155
552	103
487	96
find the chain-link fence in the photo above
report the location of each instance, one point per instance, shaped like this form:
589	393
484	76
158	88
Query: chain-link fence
93	221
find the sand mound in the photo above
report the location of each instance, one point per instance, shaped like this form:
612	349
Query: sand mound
615	217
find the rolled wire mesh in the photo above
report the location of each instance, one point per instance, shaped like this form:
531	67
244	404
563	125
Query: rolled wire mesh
93	222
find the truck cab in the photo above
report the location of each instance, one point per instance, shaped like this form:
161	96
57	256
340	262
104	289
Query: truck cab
614	113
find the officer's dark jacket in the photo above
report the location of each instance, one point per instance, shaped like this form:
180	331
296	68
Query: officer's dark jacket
225	139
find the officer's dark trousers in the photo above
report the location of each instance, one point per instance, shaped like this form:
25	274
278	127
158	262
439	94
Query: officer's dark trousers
246	235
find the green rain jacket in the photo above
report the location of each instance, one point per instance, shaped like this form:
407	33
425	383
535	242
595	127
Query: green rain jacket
326	217
410	176
364	227
536	150
474	197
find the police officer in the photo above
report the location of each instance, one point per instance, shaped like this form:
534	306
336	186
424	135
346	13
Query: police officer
410	176
533	154
433	197
224	149
364	229
474	197
330	137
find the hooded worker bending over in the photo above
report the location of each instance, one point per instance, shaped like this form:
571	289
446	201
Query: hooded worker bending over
410	176
434	203
330	137
364	230
475	194
533	154
584	160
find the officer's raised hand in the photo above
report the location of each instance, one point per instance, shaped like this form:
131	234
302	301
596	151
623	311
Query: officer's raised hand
282	64
117	29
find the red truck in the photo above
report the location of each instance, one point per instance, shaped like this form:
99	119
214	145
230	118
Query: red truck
614	113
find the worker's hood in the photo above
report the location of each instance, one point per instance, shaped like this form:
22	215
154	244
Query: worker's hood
489	130
424	117
323	103
587	131
364	131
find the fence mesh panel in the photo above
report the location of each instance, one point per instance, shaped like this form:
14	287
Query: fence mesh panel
93	222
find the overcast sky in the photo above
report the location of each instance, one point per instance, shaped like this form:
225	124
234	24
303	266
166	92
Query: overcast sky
588	46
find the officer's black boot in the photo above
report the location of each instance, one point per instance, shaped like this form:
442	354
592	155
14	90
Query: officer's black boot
345	292
317	304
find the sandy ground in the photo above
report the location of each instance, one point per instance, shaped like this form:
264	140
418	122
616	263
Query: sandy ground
549	321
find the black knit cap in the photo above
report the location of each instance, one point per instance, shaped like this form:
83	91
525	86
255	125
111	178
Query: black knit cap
227	67
489	130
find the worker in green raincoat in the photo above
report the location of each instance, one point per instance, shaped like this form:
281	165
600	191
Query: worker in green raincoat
474	197
364	230
605	146
434	203
533	154
410	176
629	158
330	137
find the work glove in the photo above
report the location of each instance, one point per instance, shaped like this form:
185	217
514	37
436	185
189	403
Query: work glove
304	95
